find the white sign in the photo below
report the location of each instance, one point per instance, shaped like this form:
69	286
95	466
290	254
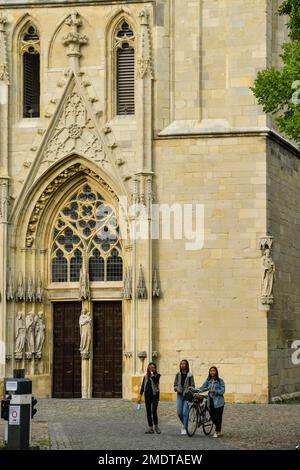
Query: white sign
14	415
11	386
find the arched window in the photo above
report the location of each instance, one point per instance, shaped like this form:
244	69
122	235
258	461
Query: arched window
75	266
125	69
114	267
30	50
59	267
86	224
96	266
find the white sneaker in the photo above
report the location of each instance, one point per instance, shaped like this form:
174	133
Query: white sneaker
215	435
183	431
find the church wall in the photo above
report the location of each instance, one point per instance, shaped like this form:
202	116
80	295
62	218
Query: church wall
209	311
283	219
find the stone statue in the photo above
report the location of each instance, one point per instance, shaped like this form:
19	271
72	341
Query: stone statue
268	277
20	334
29	322
85	324
39	334
84	285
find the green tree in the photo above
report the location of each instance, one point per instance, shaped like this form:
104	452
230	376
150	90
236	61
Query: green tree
278	90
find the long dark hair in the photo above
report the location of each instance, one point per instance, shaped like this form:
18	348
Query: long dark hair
148	369
187	365
217	373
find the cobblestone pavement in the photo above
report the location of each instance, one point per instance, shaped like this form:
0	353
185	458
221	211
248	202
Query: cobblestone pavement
104	424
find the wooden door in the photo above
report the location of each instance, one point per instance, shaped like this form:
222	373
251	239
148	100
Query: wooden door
66	355
107	357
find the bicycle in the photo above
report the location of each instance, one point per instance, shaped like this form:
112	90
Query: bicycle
199	415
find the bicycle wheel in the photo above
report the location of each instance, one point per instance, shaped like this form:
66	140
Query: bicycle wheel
207	424
192	420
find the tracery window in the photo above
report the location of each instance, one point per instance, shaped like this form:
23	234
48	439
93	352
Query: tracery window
86	229
30	51
124	44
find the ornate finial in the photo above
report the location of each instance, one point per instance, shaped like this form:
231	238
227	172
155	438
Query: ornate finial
10	288
3	50
145	60
141	288
74	40
155	284
144	15
127	292
30	290
39	289
20	292
3	21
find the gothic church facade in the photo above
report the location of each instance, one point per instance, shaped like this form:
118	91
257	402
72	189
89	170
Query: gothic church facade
144	101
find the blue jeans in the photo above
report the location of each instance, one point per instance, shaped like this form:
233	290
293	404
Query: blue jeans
182	410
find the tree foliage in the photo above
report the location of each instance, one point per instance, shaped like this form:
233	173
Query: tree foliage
278	90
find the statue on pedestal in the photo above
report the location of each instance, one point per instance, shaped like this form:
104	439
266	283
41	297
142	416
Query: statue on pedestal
85	324
20	335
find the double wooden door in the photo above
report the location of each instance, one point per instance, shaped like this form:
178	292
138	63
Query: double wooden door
107	360
107	350
66	355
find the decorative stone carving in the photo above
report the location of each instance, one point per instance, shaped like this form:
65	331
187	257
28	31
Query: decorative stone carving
127	291
4	200
155	354
39	334
142	355
39	289
128	354
30	290
20	292
10	288
265	242
75	132
50	190
84	285
141	288
268	278
3	50
29	343
144	66
155	284
85	324
20	336
74	40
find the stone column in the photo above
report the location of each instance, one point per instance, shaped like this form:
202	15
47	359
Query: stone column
144	178
4	196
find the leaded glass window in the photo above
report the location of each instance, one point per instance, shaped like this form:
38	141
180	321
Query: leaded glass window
114	266
86	228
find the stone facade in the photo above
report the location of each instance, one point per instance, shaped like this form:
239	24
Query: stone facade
197	136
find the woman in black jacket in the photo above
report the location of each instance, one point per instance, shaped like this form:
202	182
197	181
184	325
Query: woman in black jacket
150	387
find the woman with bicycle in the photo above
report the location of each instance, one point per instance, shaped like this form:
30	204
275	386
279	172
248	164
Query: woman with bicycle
150	388
216	389
183	380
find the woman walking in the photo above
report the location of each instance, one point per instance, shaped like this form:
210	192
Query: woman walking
183	381
216	389
150	388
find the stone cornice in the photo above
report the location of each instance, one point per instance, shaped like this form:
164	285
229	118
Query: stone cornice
7	4
255	132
